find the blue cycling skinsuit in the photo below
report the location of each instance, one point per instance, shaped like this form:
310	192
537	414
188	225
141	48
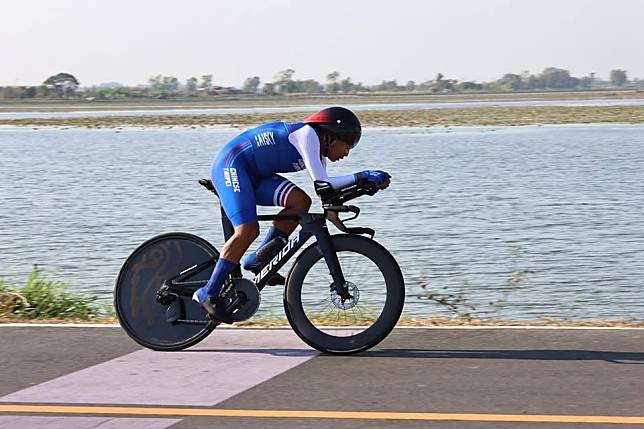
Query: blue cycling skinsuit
245	175
244	171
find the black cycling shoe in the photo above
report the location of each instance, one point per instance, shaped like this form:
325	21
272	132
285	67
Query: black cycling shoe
217	310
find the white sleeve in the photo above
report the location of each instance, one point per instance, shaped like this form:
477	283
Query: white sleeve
307	144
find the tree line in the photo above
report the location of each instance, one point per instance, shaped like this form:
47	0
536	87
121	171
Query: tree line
67	86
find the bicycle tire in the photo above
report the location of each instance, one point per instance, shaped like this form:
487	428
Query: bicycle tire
374	333
154	261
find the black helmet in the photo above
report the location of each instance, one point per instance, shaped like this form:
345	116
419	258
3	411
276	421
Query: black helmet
340	121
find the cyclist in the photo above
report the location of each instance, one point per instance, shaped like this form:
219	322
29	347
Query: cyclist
244	175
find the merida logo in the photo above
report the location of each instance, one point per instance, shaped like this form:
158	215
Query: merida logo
231	179
265	139
287	248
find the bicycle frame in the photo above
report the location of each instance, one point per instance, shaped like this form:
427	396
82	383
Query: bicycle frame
312	224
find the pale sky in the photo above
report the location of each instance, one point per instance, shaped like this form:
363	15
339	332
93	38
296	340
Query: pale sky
370	41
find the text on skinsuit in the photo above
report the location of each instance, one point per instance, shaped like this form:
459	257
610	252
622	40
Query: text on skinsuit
299	165
231	179
287	248
265	139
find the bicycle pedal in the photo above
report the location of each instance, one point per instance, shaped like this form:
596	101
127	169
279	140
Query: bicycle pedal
217	312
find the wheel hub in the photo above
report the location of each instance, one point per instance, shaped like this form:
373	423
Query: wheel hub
346	303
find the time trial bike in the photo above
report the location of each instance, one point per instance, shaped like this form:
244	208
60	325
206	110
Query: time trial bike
343	294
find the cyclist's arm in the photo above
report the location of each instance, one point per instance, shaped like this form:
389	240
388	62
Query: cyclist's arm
307	144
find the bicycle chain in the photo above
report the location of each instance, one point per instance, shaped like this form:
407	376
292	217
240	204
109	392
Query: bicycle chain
194	321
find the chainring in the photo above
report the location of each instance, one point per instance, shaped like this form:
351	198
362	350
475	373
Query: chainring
251	299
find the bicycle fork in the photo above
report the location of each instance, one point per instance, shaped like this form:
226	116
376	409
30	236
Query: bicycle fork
317	227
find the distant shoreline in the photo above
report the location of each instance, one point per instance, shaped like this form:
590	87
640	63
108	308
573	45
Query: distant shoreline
480	116
300	100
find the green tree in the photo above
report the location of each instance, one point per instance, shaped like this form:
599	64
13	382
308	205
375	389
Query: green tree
156	82
251	84
191	84
442	85
206	82
469	86
310	86
618	77
388	85
30	92
283	81
346	85
170	83
63	83
556	78
332	82
511	81
269	89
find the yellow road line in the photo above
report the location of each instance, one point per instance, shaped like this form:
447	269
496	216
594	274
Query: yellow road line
364	415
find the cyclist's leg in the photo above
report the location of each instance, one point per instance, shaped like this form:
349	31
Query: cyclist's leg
278	191
235	189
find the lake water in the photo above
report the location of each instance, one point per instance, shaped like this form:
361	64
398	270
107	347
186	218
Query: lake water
519	223
313	108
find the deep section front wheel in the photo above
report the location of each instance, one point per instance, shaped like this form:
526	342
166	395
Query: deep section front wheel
331	324
135	294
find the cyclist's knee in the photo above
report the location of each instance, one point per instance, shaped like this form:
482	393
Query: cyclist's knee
248	231
298	200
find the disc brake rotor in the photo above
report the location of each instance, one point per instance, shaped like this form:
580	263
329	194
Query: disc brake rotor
348	303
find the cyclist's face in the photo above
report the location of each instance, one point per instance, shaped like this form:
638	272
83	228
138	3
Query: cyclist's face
338	150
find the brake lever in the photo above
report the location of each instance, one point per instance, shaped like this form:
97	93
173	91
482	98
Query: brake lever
345	209
332	213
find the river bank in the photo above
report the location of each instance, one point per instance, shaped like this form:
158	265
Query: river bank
302	100
482	116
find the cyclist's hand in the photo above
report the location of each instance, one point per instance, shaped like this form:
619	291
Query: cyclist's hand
379	178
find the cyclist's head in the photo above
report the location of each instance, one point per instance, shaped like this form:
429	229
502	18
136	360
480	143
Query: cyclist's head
336	123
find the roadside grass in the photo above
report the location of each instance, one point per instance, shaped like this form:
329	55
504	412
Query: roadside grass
44	299
41	300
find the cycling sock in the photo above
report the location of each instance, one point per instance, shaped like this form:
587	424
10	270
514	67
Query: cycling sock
251	261
223	268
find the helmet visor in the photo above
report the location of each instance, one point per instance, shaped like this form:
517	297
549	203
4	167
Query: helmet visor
350	138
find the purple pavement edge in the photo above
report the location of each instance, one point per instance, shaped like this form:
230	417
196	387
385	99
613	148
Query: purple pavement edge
226	363
26	422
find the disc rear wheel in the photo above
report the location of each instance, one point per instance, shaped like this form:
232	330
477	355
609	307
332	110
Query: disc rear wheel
146	320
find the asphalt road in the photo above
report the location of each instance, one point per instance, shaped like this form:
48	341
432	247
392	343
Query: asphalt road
429	378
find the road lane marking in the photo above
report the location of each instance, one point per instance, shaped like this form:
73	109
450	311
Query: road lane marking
359	415
223	365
